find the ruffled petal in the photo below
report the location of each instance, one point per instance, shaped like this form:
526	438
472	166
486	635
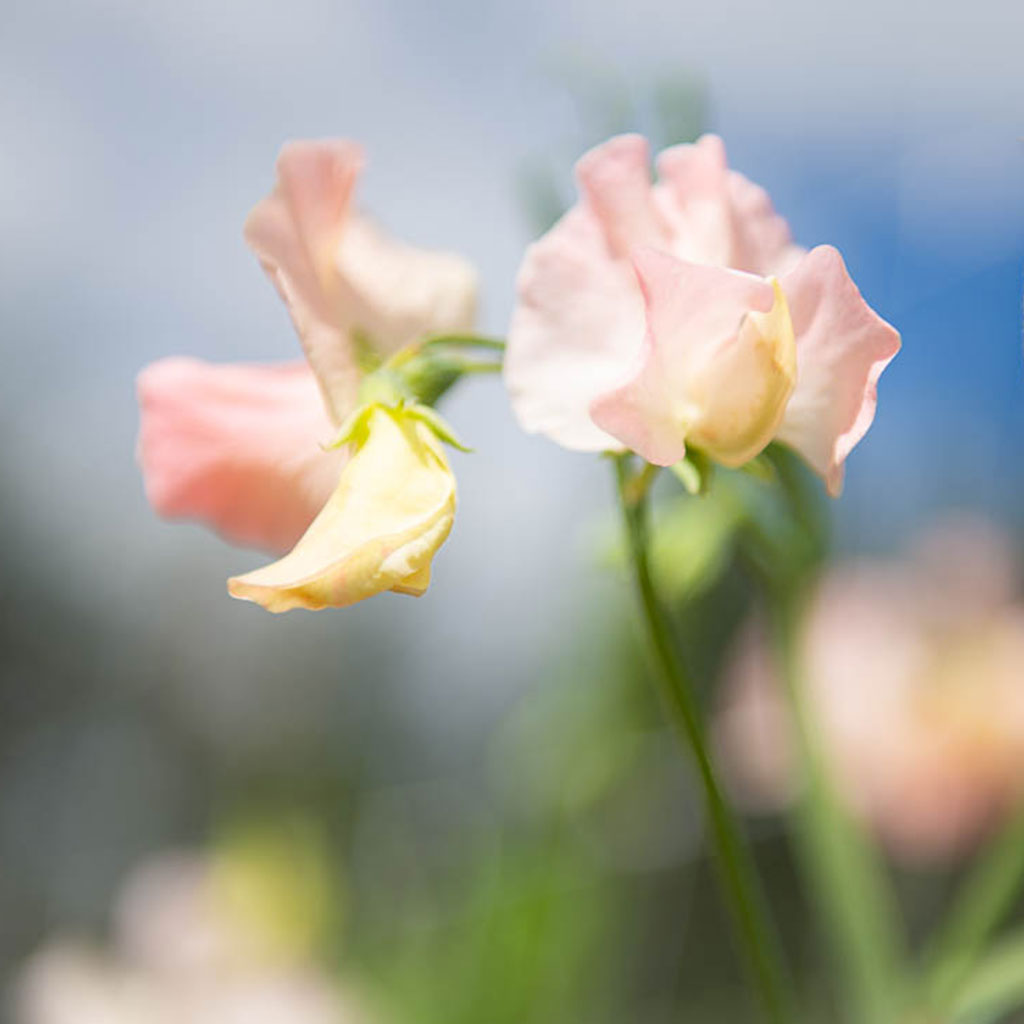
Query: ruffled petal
236	447
615	181
842	348
761	240
295	232
718	216
392	509
694	197
578	326
576	330
716	369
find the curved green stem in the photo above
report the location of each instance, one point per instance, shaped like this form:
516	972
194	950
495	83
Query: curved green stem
733	860
466	341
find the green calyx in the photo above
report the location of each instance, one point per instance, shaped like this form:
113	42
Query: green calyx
355	429
430	367
412	380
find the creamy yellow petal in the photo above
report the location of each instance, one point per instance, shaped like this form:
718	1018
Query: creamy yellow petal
743	393
416	584
391	511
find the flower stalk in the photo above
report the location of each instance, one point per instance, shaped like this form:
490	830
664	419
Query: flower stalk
755	933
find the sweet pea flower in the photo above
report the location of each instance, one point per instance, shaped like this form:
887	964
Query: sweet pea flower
653	317
181	953
245	449
913	672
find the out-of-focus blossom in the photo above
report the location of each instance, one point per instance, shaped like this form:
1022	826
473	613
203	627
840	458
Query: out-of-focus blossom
653	316
914	675
184	953
243	447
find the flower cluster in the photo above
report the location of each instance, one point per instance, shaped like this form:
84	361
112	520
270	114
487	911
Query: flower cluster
247	448
663	319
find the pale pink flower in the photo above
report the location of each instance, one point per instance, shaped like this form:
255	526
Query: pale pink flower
656	315
242	447
914	675
179	956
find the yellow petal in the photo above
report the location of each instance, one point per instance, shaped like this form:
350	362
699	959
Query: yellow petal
743	393
392	509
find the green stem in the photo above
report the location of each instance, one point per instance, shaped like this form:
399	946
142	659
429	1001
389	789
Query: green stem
479	366
466	341
733	859
985	899
843	867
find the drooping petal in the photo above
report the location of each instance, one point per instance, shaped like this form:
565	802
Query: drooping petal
842	348
295	232
392	509
576	330
236	447
717	365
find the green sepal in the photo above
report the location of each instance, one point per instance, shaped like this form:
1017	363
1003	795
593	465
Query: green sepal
352	429
439	425
694	471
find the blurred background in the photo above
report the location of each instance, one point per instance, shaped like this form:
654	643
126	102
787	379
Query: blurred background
507	832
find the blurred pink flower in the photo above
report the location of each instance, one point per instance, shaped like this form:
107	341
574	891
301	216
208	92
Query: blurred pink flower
652	316
914	671
239	447
179	957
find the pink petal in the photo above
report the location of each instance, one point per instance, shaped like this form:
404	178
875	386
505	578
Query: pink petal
578	325
694	316
615	180
395	293
339	274
236	447
577	328
762	243
718	216
842	348
295	232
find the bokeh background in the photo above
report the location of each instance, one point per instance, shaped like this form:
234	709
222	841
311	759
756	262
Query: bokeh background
511	836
